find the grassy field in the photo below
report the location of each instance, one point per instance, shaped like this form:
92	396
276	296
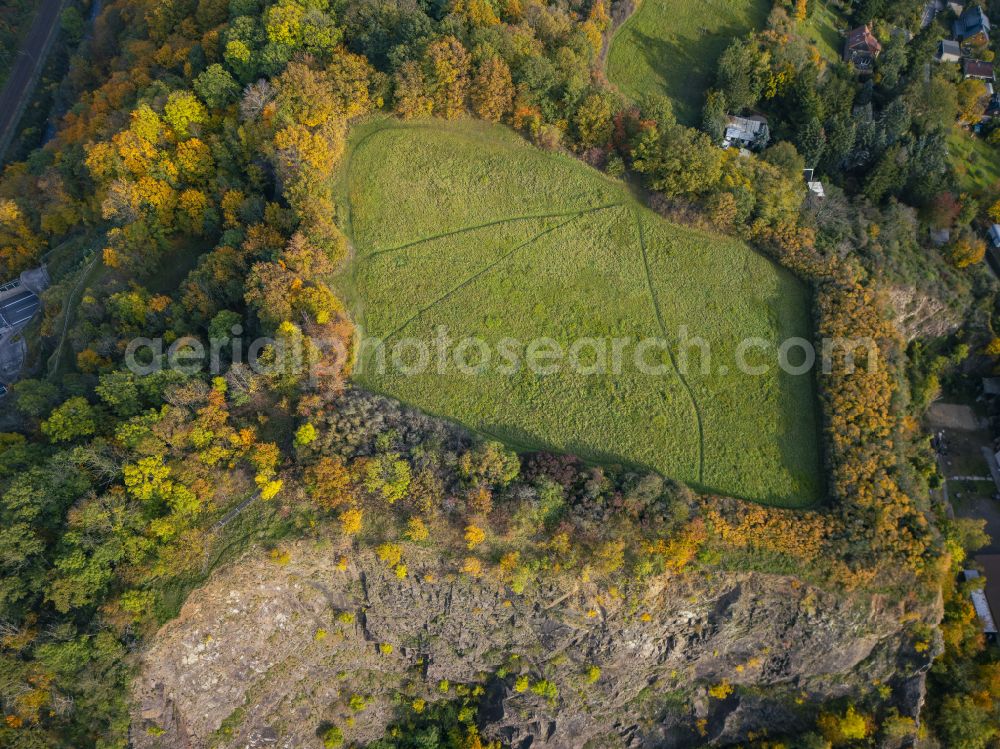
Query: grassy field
976	163
671	47
467	226
822	28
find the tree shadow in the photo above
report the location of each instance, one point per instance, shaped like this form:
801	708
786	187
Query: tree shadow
685	65
522	440
795	426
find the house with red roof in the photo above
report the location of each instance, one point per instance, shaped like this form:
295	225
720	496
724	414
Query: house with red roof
861	48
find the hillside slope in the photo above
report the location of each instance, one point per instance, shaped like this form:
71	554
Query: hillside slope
466	230
268	653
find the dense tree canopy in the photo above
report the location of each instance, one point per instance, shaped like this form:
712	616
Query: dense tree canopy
199	161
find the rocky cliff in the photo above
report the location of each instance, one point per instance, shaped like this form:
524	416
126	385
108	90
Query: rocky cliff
917	314
271	650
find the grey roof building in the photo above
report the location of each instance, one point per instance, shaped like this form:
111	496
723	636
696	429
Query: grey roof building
972	26
949	51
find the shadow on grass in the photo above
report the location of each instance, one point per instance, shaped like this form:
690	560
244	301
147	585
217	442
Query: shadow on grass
686	65
523	441
804	464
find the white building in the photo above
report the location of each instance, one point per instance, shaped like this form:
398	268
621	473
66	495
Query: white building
747	132
814	185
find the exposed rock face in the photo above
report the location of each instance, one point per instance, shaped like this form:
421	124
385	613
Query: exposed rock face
266	653
918	315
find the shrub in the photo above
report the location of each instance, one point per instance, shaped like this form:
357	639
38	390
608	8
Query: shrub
350	521
305	435
333	738
472	566
546	689
358	703
416	530
474	535
721	690
843	729
391	554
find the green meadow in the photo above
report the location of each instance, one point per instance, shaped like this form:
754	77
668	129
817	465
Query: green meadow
467	230
823	28
976	163
671	47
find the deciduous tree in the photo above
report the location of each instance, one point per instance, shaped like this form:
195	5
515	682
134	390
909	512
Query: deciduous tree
493	89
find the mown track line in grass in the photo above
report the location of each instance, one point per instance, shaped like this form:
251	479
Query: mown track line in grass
465	229
414	182
670	352
483	271
348	168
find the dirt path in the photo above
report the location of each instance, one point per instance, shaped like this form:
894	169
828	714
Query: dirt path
55	359
673	359
480	273
621	12
468	229
27	68
236	511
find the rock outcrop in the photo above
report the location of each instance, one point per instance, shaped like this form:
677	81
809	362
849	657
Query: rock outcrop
269	652
919	315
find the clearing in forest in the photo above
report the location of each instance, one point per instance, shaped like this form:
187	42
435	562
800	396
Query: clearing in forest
823	27
671	47
468	228
976	163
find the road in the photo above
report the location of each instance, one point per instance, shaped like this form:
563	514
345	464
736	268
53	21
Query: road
18	309
971	473
27	67
931	10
